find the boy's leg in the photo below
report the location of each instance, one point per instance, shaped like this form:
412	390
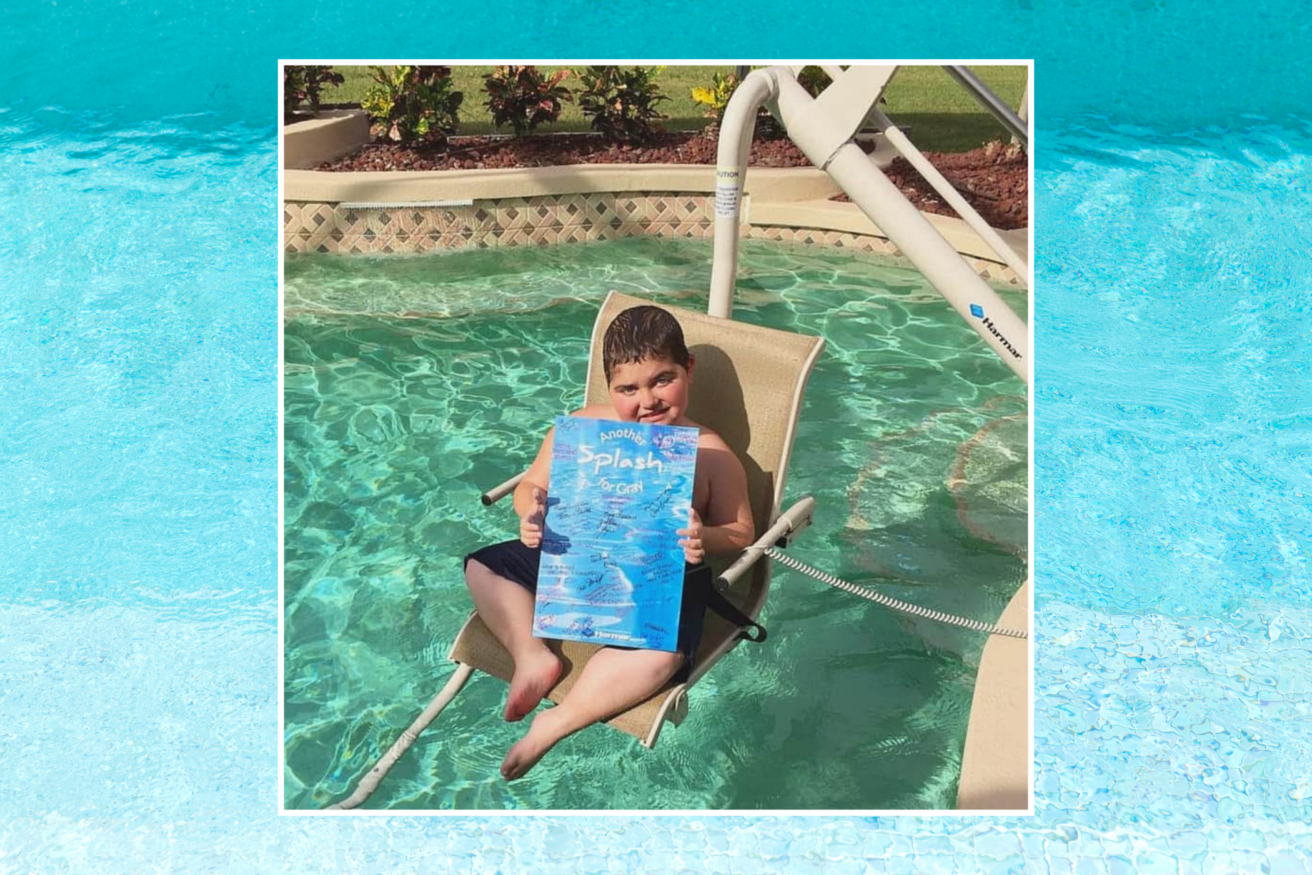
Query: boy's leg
611	682
506	608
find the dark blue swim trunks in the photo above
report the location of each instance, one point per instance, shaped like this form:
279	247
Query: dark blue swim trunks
514	561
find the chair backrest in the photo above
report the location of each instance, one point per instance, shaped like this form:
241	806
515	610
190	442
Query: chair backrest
747	387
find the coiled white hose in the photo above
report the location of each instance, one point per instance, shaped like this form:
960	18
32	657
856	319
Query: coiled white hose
894	604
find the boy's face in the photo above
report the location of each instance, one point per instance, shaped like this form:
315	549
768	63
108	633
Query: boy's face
652	391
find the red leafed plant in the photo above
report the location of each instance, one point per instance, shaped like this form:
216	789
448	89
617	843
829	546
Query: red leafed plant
303	84
523	97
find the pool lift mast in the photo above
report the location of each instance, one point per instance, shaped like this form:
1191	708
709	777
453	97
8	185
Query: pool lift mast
824	128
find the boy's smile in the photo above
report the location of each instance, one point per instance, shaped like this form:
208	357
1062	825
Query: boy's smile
653	391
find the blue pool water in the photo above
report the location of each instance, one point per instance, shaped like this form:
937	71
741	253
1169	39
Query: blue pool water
138	577
1173	499
414	383
1179	403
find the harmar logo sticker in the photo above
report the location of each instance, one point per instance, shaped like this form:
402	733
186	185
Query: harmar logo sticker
978	312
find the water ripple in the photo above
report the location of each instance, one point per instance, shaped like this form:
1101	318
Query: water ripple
133	334
1173	411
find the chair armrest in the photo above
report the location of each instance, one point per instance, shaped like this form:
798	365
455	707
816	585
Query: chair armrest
790	522
497	493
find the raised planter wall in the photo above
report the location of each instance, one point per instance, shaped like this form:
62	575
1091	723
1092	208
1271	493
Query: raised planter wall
336	132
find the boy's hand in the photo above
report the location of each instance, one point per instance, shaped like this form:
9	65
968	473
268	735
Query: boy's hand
693	551
530	526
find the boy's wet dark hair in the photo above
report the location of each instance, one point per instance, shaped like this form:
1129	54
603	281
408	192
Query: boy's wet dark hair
643	332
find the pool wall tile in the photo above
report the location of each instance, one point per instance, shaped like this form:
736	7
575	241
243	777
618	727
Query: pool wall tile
430	242
599	208
379	221
352	245
628	207
414	221
512	237
345	220
291	219
317	237
510	219
543	235
573	234
544	220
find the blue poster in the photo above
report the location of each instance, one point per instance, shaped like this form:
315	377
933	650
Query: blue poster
612	567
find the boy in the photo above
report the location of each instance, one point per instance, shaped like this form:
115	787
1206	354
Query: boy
648	373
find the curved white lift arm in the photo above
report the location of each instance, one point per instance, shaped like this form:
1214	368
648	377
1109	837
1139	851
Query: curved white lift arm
823	128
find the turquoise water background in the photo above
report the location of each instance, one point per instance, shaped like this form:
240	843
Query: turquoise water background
415	383
138	332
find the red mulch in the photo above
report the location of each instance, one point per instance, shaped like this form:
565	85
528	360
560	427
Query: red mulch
993	179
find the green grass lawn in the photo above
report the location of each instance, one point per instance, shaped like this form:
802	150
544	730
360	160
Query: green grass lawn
940	115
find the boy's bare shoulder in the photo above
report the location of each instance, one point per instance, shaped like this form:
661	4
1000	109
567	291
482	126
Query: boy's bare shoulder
714	446
709	440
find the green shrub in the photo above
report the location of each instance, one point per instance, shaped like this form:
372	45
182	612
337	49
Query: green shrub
622	103
813	79
304	84
716	98
522	97
413	103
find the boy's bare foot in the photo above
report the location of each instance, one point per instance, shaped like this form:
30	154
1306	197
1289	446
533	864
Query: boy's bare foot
546	729
534	677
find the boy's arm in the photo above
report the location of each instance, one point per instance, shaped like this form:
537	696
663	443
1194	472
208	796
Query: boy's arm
728	527
538	476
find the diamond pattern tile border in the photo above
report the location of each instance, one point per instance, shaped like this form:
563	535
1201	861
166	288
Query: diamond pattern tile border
547	219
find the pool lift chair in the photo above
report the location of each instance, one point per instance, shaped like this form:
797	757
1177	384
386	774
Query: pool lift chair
750	379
